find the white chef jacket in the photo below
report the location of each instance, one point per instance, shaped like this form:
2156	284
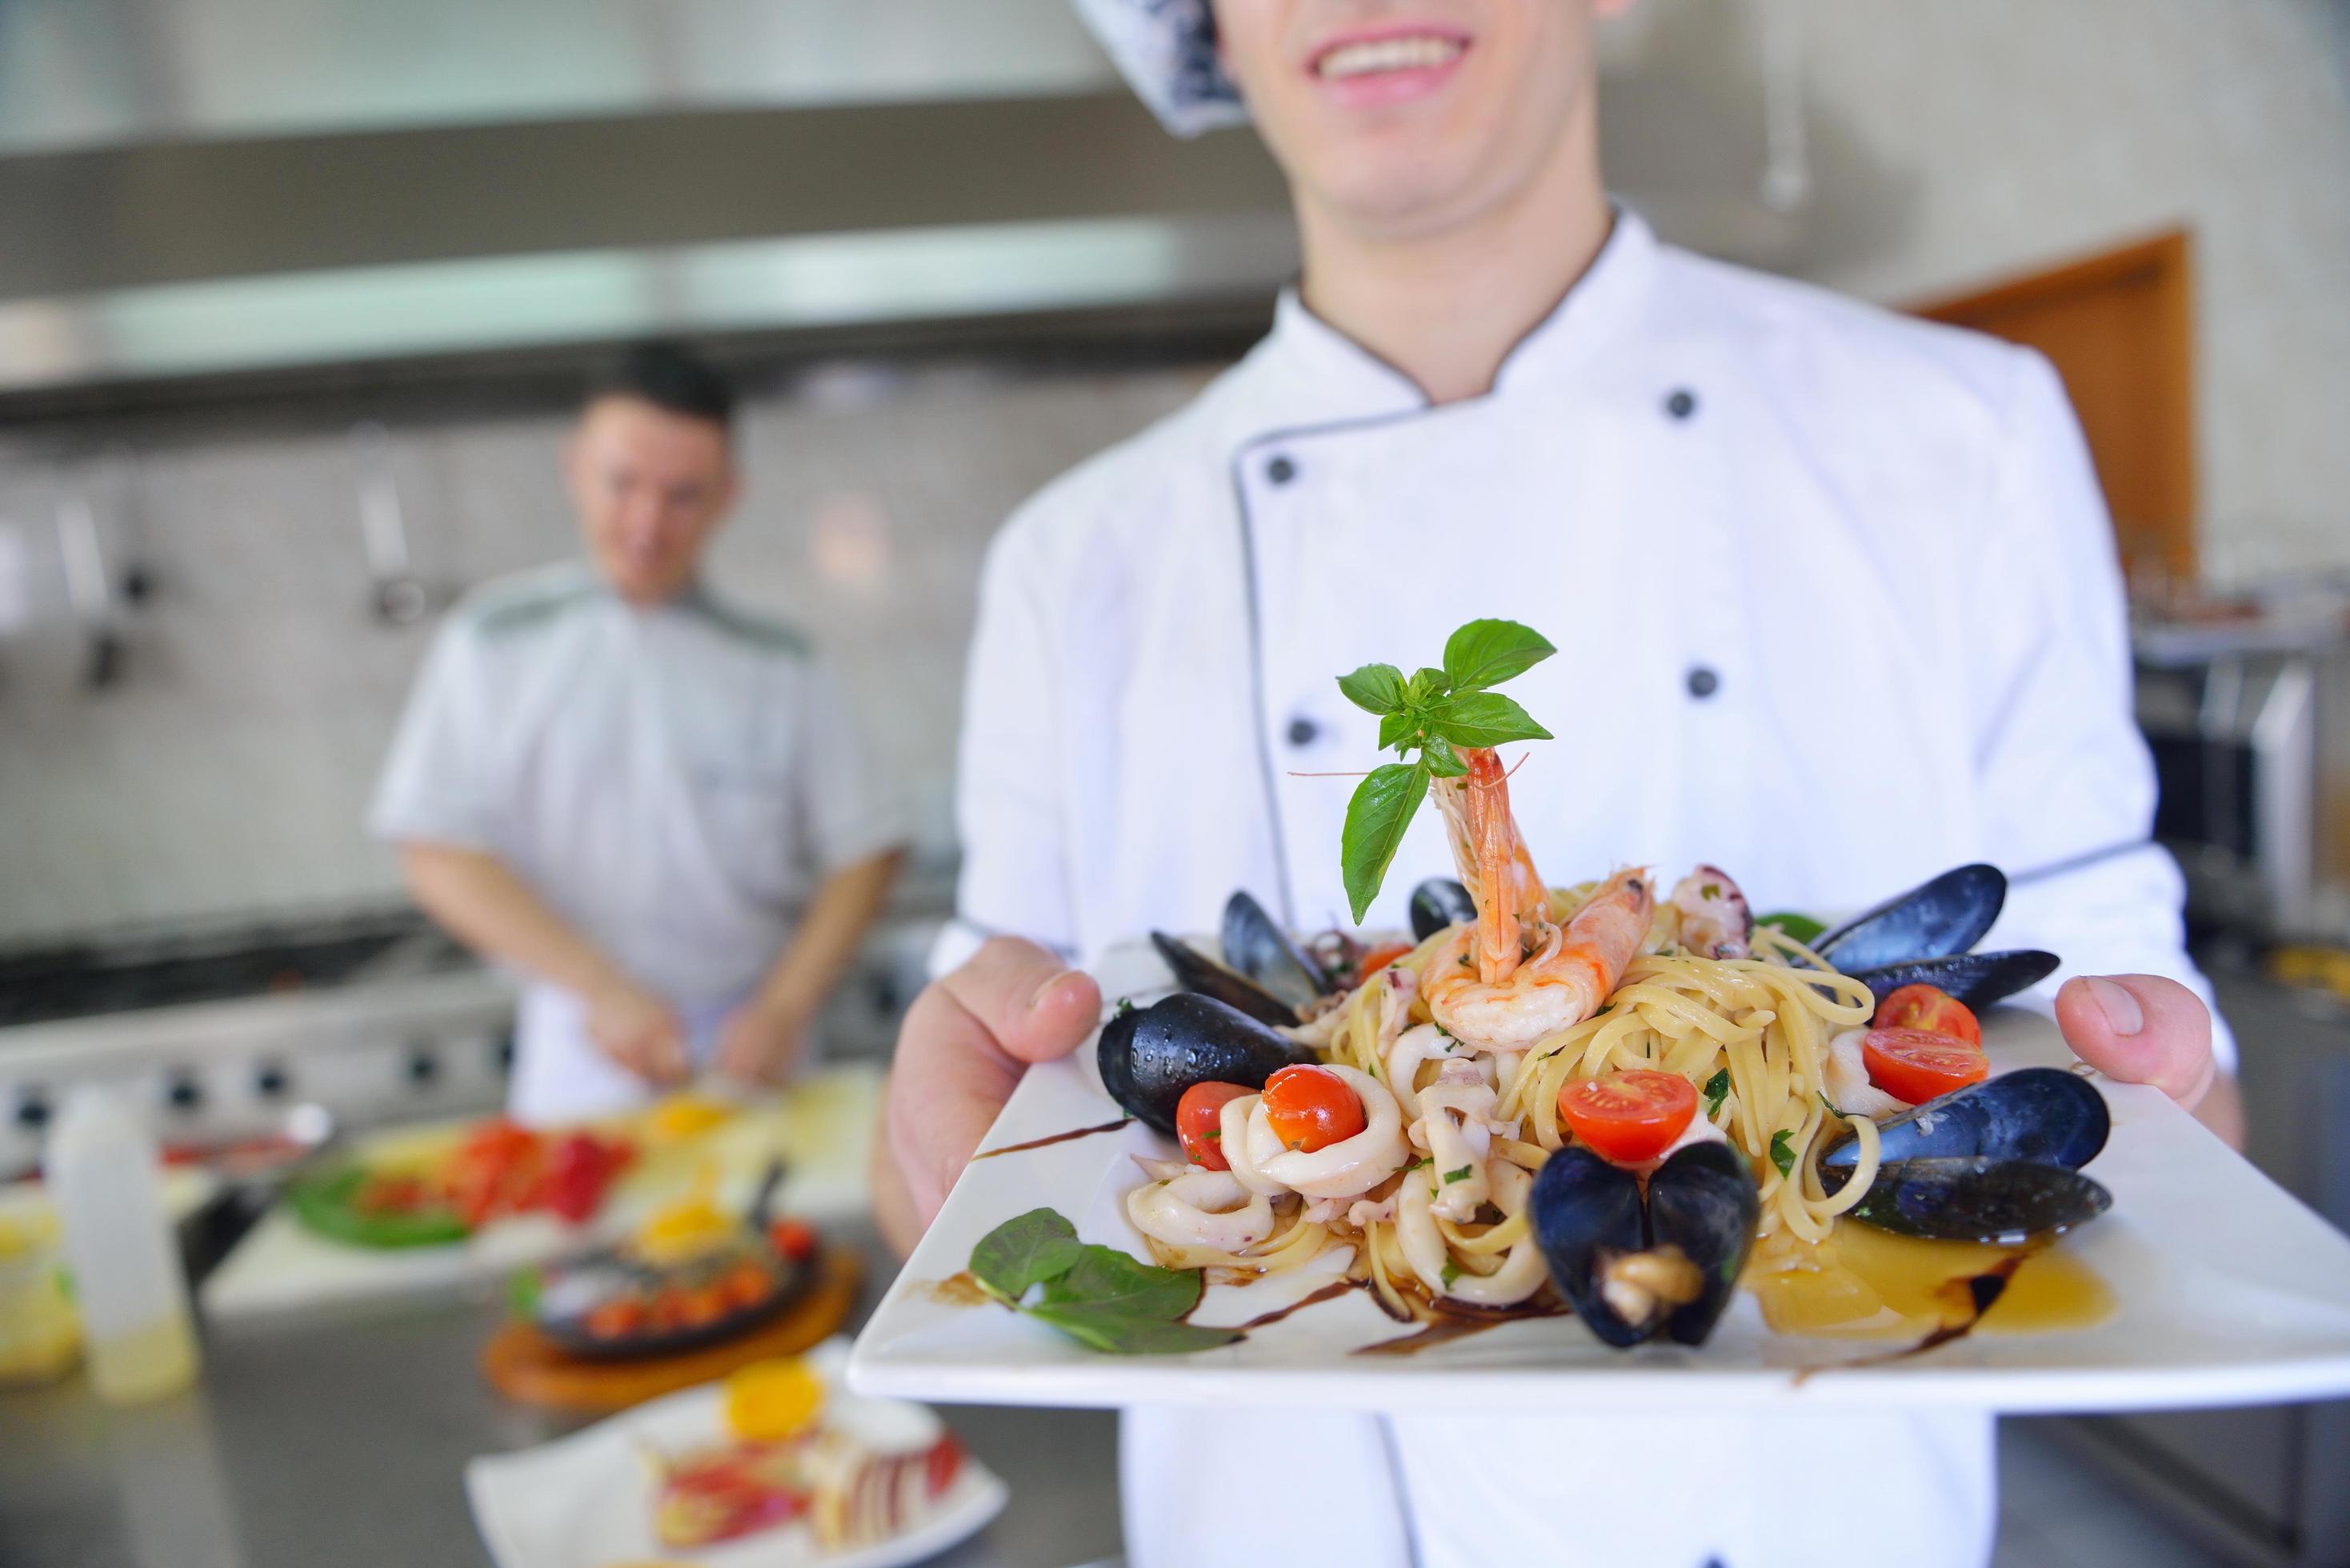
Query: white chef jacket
672	780
1837	609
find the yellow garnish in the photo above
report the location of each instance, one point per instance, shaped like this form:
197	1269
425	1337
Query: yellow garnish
769	1401
685	1116
690	1227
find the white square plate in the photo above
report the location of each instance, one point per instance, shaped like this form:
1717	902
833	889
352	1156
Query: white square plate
586	1499
2230	1293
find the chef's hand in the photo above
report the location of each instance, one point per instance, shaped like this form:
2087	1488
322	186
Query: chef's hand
637	1030
759	1042
966	1041
2144	1029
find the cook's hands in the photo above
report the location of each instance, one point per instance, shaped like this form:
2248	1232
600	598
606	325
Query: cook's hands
2140	1029
761	1042
637	1030
966	1041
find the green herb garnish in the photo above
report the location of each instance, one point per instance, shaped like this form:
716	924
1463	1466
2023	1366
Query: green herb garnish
1097	1295
1431	712
1417	1161
1449	1272
1782	1150
1461	1174
1802	928
1716	1089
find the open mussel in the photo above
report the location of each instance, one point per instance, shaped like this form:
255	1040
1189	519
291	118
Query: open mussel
1263	973
1945	916
1632	1268
1438	903
1149	1055
1993	1161
1196	972
1976	978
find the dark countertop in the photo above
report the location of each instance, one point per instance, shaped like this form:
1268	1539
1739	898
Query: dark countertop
341	1438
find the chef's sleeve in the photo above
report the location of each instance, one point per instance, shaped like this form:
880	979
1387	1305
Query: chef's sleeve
1008	808
438	784
2068	784
849	813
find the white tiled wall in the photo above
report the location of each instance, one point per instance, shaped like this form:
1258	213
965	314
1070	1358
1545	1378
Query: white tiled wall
227	772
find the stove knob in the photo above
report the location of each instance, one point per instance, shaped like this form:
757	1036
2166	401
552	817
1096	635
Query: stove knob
270	1081
182	1092
423	1066
32	1110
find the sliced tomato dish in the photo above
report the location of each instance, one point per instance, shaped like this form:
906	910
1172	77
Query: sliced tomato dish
1629	1116
1310	1109
1916	1066
1929	1008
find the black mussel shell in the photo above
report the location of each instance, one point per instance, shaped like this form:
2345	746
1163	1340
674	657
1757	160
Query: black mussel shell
1149	1055
1703	1200
1976	978
1437	903
1948	915
1196	972
2041	1114
1587	1212
1980	1199
1258	949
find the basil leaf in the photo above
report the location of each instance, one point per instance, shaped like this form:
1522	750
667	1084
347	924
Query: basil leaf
1427	683
1397	729
1782	1150
1440	759
1376	819
1716	1089
1033	1249
1487	652
1106	1280
1375	688
1802	928
1484	718
1122	1333
1461	1174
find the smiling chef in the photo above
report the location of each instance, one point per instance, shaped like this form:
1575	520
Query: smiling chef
1836	604
646	799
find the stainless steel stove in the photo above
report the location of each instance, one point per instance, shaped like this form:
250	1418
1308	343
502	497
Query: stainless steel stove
221	1036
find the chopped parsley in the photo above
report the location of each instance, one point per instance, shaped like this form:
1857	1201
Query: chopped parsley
1216	1132
1716	1089
1782	1150
1416	1163
1125	1005
1711	891
1461	1174
1450	1272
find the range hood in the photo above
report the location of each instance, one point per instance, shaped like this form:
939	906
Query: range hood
219	190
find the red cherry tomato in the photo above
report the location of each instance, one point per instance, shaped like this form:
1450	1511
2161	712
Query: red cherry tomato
795	1238
1629	1116
1310	1109
1914	1064
1380	958
1199	1122
1932	1009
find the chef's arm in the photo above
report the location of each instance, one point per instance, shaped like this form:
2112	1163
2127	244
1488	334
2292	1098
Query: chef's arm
489	908
843	909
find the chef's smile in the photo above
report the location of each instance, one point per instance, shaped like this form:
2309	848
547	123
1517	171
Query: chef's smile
1374	67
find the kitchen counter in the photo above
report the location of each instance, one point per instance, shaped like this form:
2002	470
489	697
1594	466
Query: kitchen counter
342	1437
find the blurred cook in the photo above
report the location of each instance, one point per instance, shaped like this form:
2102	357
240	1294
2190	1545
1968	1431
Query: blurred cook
649	801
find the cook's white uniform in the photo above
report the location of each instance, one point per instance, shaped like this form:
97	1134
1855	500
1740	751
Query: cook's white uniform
674	782
1836	607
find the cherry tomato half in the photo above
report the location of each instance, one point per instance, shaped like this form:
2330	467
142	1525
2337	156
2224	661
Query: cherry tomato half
1929	1008
1380	958
1629	1116
1310	1109
795	1238
1199	1122
1915	1064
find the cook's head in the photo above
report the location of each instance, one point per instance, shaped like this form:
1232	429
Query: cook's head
1398	118
651	469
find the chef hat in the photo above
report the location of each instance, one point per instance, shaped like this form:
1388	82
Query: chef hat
1166	49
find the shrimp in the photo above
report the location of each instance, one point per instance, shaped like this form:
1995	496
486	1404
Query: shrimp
1515	976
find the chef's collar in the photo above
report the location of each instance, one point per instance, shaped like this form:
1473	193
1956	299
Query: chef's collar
1313	374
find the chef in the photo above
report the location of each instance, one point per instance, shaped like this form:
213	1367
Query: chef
1836	606
649	801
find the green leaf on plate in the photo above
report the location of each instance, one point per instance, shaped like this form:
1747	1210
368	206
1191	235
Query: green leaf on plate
1123	1333
1106	1280
1034	1249
1802	928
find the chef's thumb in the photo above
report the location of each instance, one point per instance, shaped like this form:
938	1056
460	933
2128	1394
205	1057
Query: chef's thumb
1036	1006
2140	1029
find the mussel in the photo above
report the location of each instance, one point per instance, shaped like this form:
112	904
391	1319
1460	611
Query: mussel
1993	1161
1437	903
1976	978
1630	1268
1945	916
1263	973
1149	1055
1196	972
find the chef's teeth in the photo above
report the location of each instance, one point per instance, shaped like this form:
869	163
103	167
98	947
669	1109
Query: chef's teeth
1388	55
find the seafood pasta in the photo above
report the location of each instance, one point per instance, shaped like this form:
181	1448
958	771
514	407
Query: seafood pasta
1603	1089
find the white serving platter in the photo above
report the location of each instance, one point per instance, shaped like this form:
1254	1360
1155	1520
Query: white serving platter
2228	1292
585	1500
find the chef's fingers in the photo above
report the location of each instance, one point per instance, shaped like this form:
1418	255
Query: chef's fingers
1030	1003
2140	1029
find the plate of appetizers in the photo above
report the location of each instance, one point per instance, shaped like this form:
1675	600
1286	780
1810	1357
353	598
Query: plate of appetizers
778	1467
1623	1140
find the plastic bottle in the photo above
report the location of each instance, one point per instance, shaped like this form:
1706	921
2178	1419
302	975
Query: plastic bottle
102	1174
